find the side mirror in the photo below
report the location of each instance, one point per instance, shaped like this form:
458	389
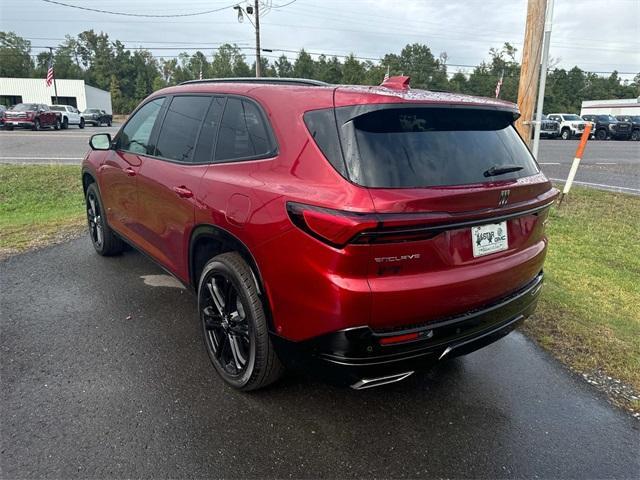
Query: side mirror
100	141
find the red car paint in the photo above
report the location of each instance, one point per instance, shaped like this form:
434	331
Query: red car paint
319	281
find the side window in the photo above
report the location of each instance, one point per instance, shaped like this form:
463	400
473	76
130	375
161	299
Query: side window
177	138
207	138
243	133
136	133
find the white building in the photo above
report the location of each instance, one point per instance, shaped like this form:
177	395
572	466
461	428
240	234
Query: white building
626	106
70	92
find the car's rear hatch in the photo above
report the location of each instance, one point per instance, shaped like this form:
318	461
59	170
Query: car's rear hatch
460	204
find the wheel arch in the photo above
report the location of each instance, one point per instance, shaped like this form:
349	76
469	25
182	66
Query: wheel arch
87	179
206	242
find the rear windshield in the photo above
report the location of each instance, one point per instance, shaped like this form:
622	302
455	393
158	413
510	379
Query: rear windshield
429	147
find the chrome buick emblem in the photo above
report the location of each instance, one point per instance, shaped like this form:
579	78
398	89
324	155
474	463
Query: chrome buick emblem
504	197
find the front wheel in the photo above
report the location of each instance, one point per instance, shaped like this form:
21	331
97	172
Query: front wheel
601	135
65	123
234	324
635	135
57	124
566	134
104	240
36	125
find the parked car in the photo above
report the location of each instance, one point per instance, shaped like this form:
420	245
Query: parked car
571	125
548	128
635	125
2	110
31	115
70	115
97	117
607	126
309	241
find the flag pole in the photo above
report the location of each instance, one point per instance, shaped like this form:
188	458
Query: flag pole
55	86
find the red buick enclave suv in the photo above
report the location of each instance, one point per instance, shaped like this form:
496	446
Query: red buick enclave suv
363	232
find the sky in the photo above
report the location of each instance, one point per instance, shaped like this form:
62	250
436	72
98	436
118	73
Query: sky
596	35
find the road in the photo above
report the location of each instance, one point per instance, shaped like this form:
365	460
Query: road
612	165
105	375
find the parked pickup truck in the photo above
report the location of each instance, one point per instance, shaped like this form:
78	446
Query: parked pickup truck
549	128
635	124
608	126
96	117
70	115
571	125
31	115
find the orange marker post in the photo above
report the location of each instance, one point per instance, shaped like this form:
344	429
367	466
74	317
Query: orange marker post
576	161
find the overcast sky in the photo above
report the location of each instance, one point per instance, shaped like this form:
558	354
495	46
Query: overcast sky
596	35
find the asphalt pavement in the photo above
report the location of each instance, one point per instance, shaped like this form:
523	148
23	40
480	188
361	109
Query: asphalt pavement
104	374
610	165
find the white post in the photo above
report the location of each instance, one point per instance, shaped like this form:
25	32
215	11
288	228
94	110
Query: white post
548	19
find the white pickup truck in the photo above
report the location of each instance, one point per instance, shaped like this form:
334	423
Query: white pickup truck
571	125
70	115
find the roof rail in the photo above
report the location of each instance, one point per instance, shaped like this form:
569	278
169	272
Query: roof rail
264	80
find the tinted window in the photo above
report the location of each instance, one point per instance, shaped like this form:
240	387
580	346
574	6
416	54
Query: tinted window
425	147
243	133
137	132
206	140
177	139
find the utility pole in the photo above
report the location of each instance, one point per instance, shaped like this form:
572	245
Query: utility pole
257	27
548	23
530	67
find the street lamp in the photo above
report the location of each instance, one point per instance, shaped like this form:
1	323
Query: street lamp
248	11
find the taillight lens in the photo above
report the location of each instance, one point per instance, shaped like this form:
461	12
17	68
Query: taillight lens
339	228
335	227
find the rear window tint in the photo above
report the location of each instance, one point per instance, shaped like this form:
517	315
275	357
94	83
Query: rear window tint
243	133
430	147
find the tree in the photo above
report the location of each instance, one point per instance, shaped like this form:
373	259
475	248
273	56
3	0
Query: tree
283	67
353	72
15	56
304	66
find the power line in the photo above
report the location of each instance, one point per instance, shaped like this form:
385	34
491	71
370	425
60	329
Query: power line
146	15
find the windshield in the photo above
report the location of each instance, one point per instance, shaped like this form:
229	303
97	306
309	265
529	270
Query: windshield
24	107
606	118
571	118
425	147
57	108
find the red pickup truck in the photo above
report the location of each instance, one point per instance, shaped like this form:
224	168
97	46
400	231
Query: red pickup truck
31	115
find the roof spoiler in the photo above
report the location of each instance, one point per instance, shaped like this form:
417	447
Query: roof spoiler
400	82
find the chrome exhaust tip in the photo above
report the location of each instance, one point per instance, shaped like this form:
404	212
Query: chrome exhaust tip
376	382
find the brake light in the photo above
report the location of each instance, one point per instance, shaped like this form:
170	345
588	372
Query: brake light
339	228
334	227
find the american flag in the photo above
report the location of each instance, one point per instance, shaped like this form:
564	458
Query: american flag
386	75
499	85
50	73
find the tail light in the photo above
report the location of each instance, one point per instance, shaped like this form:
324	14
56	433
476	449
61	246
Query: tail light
339	228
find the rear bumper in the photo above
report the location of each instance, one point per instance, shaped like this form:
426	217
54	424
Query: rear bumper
348	356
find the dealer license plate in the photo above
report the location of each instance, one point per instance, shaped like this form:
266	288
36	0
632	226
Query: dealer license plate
487	239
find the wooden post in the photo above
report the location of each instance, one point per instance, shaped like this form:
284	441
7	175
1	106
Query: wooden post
257	25
530	68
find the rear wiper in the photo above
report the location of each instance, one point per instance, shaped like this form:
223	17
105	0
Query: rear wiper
500	169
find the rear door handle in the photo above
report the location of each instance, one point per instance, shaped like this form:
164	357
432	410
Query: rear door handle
183	192
129	171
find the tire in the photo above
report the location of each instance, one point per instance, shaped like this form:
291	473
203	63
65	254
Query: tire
9	127
57	125
108	123
81	123
234	324
565	134
104	240
36	125
601	135
635	135
65	123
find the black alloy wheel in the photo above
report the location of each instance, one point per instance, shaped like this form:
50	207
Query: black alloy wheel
103	239
36	124
601	134
635	135
57	124
234	324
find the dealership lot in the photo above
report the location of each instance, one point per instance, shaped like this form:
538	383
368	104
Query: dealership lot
611	165
104	374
